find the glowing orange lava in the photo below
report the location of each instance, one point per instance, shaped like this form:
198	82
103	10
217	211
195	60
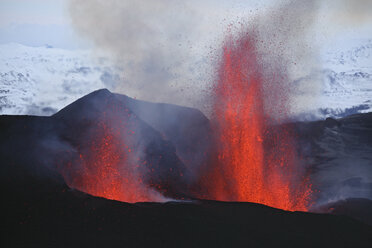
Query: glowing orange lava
256	163
108	168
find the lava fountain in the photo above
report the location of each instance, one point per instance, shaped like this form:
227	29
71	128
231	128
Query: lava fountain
256	161
109	165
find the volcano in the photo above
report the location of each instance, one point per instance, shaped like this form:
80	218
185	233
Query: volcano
76	178
103	147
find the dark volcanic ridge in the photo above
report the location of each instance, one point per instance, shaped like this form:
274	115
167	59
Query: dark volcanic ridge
41	210
156	131
177	141
53	215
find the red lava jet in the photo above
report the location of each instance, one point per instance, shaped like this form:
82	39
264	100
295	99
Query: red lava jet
256	162
106	168
109	168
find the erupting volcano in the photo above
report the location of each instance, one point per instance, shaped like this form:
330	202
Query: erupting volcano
116	154
187	124
109	164
108	168
256	161
253	159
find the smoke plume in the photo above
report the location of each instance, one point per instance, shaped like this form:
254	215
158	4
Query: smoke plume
156	43
351	12
287	53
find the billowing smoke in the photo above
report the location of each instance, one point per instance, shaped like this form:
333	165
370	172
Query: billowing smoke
157	43
286	53
350	12
168	49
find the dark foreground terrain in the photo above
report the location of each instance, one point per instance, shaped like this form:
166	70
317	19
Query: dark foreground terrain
40	210
46	213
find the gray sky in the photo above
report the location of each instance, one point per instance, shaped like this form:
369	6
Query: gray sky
40	22
36	23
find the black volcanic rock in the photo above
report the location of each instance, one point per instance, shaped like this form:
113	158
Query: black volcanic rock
358	208
339	154
330	122
24	154
187	128
52	215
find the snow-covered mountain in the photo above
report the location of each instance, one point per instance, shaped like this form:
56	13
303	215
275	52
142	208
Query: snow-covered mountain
356	58
42	80
342	87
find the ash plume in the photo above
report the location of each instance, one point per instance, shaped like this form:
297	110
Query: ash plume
287	53
154	41
351	12
168	49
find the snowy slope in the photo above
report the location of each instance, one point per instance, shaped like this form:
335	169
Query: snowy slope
356	58
41	80
344	85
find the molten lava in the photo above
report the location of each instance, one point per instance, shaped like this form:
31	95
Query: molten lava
108	167
256	162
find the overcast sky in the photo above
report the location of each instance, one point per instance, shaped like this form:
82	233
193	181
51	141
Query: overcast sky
36	23
40	22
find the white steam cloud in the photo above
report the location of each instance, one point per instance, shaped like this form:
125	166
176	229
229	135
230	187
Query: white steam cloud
160	44
168	48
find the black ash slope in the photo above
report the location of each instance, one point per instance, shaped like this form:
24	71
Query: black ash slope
339	155
43	212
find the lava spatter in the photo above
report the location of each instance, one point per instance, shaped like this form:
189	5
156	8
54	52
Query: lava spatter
255	161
